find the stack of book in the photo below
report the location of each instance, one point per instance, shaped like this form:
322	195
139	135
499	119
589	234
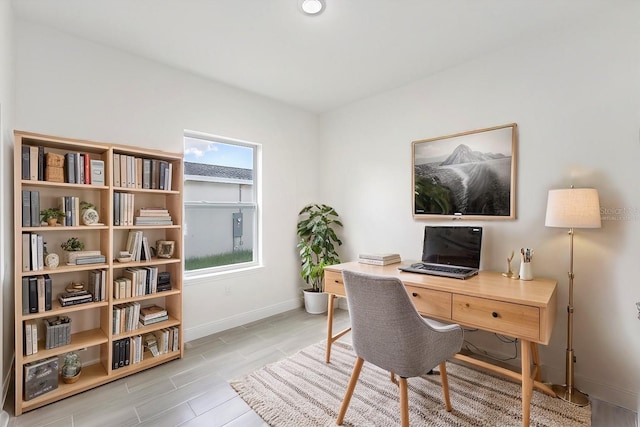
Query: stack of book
153	216
58	331
138	172
121	353
77	297
152	314
125	317
379	259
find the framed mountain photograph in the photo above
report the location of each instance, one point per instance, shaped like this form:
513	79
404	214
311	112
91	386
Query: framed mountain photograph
467	175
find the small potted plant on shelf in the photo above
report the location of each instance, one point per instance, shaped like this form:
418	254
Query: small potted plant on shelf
317	248
72	244
51	216
72	249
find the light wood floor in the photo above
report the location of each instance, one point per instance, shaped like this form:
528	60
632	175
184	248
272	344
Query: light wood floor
193	391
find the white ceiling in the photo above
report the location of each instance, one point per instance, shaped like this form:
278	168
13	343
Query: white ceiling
355	49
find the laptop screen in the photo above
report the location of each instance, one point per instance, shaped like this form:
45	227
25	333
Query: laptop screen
452	245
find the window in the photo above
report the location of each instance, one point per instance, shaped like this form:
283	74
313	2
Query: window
220	203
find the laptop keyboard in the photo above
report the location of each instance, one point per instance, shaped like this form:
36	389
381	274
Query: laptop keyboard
441	268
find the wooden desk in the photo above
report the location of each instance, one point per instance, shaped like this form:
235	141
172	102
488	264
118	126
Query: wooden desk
522	309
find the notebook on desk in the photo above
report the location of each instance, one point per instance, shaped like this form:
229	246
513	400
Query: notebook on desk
449	251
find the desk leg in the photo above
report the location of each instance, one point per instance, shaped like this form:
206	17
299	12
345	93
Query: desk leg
527	381
536	361
330	337
332	297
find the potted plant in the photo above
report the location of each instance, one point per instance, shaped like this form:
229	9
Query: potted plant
72	244
317	242
51	216
74	248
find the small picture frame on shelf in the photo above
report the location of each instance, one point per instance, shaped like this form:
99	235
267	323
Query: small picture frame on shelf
164	248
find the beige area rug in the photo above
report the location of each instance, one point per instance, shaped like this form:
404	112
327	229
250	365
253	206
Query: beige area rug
304	391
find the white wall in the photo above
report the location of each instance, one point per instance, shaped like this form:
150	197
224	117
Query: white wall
74	88
6	190
575	95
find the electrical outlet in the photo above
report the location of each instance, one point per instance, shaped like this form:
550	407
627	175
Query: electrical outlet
227	290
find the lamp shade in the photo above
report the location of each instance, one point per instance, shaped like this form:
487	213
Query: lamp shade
573	208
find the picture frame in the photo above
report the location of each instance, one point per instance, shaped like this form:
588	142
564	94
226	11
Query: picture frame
165	248
468	175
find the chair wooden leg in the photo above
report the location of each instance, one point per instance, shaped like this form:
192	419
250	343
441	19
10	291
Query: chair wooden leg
404	403
445	386
393	378
352	385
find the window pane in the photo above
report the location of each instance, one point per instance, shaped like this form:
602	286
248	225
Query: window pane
218	236
220	203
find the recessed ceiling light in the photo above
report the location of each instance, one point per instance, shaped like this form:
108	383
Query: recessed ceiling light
311	7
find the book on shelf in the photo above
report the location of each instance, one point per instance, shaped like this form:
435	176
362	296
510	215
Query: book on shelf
148	322
40	377
153	211
67	299
115	352
58	331
146	173
152	312
152	220
97	172
97	282
33	163
26	174
151	344
27	344
35	208
91	259
30	337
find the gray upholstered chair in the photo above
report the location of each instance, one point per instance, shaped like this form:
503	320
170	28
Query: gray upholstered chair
388	332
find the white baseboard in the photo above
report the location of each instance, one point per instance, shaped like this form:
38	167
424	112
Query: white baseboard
240	319
6	383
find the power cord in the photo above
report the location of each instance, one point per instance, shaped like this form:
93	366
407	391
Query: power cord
472	348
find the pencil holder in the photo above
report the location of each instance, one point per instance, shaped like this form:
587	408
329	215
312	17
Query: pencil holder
526	272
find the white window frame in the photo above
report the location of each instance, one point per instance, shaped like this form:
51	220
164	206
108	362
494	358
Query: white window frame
257	222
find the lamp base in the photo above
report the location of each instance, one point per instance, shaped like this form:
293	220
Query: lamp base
571	395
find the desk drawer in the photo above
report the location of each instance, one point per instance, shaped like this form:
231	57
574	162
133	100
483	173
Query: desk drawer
333	283
516	320
430	303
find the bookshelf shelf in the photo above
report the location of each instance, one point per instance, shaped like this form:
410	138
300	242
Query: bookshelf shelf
92	376
92	322
66	228
89	338
58	310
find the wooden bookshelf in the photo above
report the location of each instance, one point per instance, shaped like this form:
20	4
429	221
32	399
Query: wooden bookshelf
92	336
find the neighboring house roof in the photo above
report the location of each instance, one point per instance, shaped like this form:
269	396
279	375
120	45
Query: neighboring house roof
215	171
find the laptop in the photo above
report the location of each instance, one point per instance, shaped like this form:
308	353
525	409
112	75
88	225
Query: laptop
449	251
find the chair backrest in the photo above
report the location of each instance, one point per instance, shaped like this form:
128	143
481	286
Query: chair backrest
388	331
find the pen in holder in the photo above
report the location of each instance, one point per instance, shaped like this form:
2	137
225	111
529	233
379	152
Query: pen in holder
526	270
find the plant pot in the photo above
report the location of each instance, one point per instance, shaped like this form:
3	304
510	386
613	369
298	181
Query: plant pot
71	380
52	222
315	302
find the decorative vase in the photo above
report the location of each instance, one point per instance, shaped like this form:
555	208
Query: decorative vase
90	216
315	302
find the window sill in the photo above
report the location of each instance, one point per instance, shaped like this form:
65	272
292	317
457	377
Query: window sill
204	278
